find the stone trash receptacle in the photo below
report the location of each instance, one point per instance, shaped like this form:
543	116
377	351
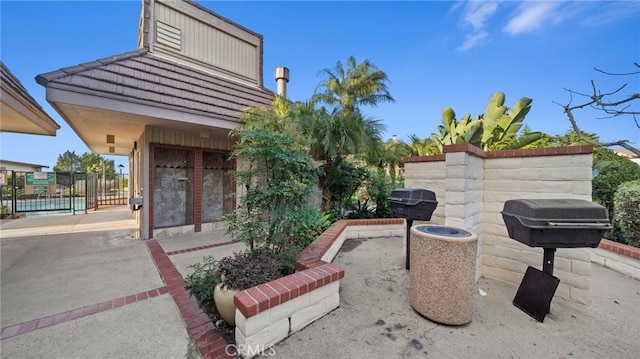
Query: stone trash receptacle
442	274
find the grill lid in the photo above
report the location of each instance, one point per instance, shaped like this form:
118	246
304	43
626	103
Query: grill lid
556	211
412	195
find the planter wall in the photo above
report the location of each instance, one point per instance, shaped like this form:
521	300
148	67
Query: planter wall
618	257
270	312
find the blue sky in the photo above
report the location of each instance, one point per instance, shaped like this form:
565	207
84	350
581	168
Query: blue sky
437	54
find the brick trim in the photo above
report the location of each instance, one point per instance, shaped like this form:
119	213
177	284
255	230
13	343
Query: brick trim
199	248
465	147
149	201
530	152
550	151
268	295
208	340
73	314
196	190
620	248
312	273
434	158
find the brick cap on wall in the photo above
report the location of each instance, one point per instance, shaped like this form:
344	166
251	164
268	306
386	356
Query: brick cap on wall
312	273
268	295
620	248
530	152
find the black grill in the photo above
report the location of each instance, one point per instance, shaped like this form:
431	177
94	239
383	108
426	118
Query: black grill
555	223
550	224
412	204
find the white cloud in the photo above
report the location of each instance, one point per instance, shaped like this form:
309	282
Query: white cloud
532	15
612	11
475	15
473	40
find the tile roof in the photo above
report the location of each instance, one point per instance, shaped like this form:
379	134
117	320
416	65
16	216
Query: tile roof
142	77
8	78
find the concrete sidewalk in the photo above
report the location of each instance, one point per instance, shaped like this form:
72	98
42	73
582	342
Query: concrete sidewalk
80	286
375	318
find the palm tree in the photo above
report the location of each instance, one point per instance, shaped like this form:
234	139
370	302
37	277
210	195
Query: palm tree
333	135
356	85
423	146
345	130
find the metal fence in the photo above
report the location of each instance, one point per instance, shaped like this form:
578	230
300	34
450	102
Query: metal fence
60	191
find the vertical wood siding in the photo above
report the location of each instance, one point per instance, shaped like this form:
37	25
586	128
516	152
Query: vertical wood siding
210	45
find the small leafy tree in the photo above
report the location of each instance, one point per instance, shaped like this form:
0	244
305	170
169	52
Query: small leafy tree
378	189
343	181
67	162
276	176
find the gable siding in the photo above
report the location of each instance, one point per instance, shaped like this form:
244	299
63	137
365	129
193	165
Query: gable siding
209	45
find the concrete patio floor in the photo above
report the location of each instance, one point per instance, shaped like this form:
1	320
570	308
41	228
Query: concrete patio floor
375	318
80	286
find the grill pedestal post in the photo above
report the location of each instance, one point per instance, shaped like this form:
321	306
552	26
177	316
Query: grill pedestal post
547	265
409	225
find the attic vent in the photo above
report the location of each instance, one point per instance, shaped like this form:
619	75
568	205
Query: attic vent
168	35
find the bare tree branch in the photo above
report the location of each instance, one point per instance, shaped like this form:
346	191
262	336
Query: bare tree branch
600	101
621	74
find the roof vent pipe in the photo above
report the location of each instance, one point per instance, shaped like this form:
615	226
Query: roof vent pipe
282	77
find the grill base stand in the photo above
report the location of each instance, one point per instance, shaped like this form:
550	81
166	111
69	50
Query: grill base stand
537	288
407	261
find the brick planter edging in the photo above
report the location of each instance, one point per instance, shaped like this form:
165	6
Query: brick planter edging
270	312
268	295
618	257
312	273
620	248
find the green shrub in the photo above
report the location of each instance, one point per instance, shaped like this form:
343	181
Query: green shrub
343	180
240	271
378	189
306	226
607	180
204	278
626	209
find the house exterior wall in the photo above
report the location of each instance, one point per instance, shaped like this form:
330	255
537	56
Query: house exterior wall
21	167
192	202
476	185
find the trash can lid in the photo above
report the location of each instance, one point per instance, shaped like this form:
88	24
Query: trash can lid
444	231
